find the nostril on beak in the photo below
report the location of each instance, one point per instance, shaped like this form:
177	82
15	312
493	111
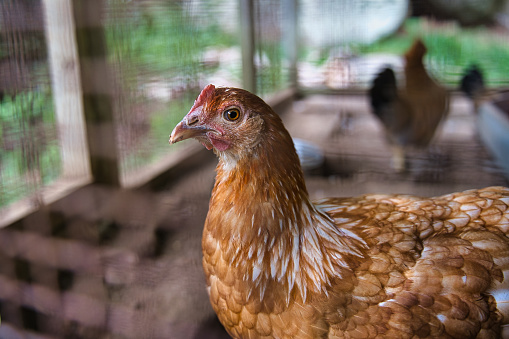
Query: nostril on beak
191	120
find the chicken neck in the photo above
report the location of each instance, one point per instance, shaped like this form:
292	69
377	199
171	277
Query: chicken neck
271	235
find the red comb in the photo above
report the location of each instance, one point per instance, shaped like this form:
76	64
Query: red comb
204	96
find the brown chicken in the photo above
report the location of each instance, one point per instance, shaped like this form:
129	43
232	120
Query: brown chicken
410	114
278	265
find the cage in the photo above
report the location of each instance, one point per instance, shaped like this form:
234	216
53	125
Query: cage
101	219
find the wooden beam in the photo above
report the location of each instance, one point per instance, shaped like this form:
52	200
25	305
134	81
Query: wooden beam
97	91
66	88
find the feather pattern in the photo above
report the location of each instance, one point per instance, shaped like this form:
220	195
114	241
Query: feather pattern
279	265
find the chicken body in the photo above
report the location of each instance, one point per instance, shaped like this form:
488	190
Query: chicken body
279	265
411	113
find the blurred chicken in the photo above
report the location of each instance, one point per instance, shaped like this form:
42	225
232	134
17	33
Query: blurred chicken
410	113
491	109
472	84
279	265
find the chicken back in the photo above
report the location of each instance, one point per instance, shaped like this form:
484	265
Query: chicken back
279	265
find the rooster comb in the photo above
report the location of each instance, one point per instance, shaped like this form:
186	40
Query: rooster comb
204	96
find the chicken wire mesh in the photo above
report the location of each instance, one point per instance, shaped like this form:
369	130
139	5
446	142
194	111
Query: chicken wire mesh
109	263
161	54
75	269
271	57
164	52
28	137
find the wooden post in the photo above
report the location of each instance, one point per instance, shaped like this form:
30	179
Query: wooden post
66	87
290	37
97	91
247	33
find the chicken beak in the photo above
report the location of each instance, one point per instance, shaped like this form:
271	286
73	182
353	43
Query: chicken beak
186	129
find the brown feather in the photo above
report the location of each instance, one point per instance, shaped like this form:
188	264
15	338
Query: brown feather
281	266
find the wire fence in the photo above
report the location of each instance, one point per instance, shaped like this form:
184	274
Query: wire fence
98	265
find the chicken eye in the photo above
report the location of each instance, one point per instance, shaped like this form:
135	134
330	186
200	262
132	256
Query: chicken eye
231	114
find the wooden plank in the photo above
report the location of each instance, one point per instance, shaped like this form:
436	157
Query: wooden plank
66	87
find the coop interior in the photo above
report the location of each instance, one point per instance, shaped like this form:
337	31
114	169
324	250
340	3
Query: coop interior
101	218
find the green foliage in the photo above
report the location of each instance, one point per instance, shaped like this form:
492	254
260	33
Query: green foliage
30	152
271	74
165	38
165	42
